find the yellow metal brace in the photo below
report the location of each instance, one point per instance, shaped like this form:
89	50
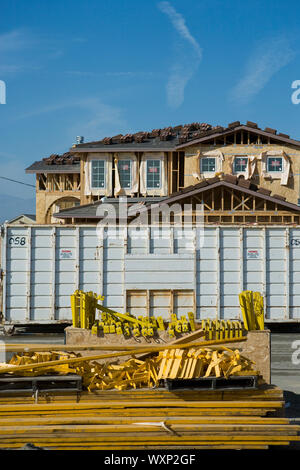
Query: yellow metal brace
191	317
252	310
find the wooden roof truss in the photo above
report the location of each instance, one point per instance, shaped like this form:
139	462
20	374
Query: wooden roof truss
223	205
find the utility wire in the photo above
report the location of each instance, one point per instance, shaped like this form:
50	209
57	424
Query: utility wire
15	181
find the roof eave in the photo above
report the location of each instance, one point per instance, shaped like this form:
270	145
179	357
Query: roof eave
230	131
53	170
112	148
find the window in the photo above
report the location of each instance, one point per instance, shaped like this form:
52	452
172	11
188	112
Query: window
275	164
208	165
153	174
240	164
124	168
98	174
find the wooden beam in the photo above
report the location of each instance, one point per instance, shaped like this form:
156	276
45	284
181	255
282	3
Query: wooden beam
243	203
222	198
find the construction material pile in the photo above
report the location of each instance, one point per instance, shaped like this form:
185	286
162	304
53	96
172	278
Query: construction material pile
121	411
180	363
35	358
252	307
148	419
85	305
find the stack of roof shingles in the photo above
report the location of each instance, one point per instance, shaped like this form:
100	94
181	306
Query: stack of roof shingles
64	159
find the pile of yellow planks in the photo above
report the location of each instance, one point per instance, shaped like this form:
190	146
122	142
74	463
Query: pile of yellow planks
177	362
149	419
203	362
114	414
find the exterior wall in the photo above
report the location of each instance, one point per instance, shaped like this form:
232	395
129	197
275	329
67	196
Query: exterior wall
83	198
45	199
44	265
165	174
290	191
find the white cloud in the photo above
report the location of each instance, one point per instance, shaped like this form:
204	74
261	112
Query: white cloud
5	69
187	63
117	74
91	117
13	46
179	77
265	61
179	24
103	119
14	69
14	40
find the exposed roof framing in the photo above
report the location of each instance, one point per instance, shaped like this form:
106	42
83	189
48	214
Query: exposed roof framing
232	182
269	133
226	199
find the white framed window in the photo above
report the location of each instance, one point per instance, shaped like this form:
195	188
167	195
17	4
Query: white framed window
98	169
125	173
153	174
240	164
208	165
275	165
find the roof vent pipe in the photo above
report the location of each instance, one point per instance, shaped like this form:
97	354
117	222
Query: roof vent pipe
79	139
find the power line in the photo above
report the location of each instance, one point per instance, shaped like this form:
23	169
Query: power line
15	181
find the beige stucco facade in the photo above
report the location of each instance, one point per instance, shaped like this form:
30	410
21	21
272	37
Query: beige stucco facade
46	203
290	191
287	185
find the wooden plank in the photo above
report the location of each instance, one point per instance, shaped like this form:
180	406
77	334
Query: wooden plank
99	397
167	439
191	420
192	429
186	445
263	393
167	412
141	404
30	347
201	447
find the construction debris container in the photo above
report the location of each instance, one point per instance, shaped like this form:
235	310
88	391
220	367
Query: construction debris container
150	270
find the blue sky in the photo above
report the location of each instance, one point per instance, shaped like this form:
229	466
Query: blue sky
97	68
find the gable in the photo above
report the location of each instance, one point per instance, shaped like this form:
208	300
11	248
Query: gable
231	200
242	134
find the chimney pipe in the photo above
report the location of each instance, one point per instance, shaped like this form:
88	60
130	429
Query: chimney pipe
79	139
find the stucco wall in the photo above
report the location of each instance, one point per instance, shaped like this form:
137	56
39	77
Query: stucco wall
45	199
290	191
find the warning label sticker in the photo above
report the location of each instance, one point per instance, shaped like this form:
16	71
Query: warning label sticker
65	253
252	254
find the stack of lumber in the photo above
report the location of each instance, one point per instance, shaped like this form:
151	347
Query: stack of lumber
174	361
148	419
120	410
